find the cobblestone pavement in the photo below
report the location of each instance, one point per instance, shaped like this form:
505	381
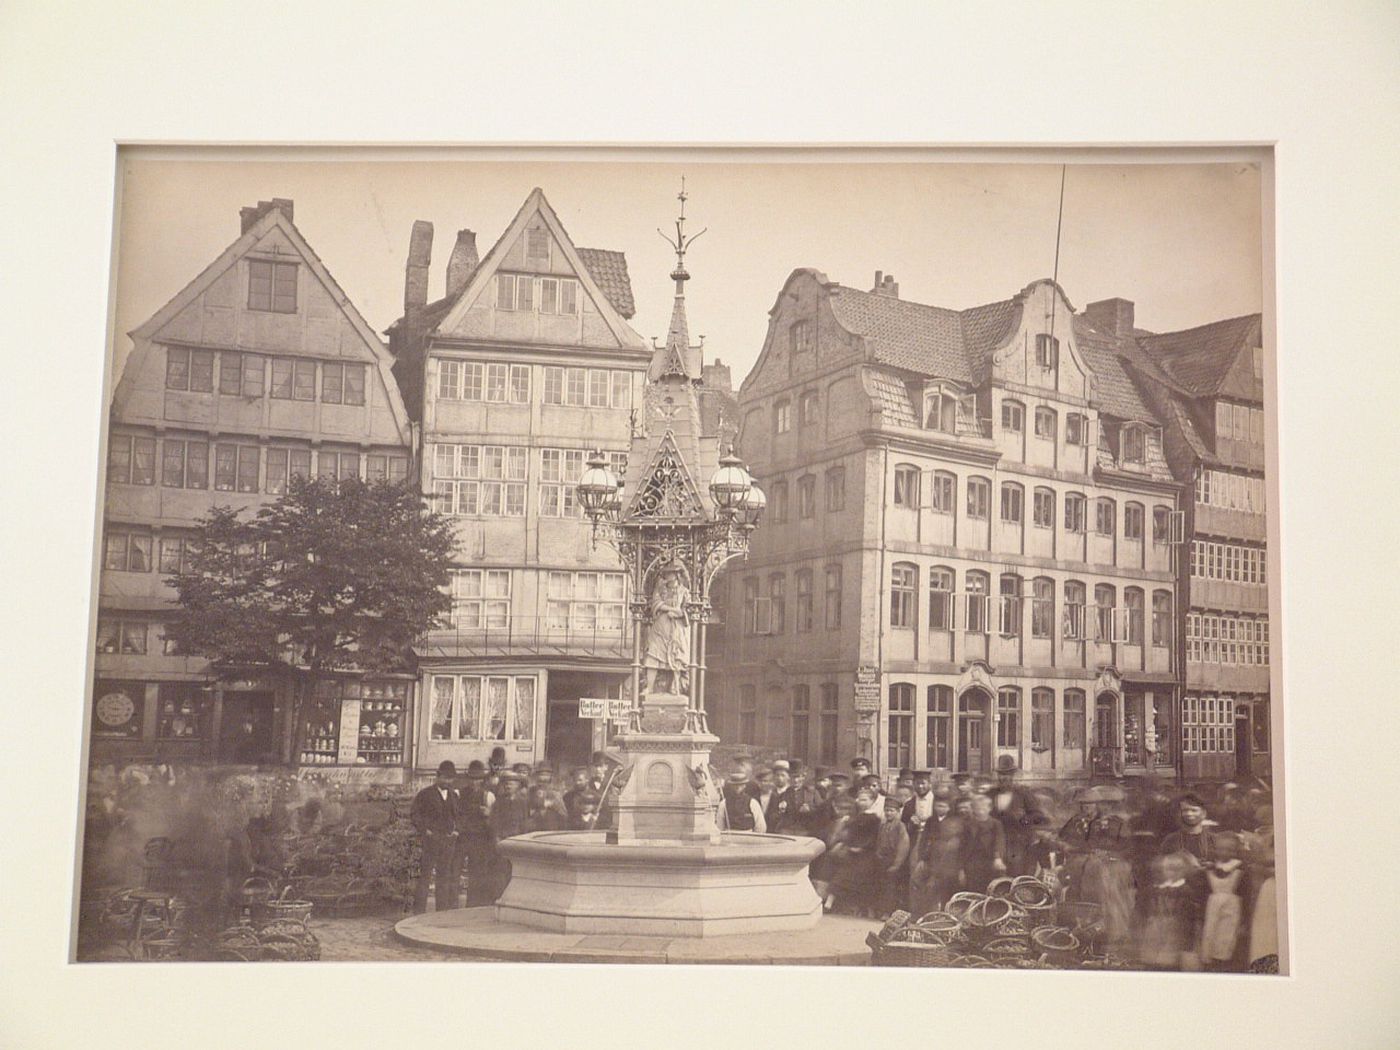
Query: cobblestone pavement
370	939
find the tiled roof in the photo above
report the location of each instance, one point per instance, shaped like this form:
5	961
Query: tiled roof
892	398
609	269
930	340
1200	358
1115	392
1189	433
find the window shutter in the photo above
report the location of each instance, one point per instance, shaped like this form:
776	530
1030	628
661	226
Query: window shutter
1176	526
763	616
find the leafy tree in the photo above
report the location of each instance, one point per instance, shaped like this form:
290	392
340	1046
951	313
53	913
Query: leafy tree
333	574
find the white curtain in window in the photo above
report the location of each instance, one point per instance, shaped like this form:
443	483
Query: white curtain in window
442	708
524	709
469	714
497	690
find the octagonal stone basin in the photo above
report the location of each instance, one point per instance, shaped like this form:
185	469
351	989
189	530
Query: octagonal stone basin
575	882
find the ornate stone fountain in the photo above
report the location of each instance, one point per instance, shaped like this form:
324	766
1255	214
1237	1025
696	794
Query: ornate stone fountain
664	867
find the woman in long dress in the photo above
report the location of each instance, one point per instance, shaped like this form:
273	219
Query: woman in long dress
668	634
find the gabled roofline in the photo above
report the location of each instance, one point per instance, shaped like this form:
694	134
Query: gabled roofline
275	217
535	203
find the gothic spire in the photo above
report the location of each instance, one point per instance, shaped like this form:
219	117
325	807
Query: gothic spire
676	357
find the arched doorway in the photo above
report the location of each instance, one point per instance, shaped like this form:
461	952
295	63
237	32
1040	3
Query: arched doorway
974	747
1105	756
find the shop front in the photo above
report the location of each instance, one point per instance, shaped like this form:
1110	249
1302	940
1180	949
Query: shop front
357	728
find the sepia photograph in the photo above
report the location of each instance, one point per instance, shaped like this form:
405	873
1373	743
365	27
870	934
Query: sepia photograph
704	556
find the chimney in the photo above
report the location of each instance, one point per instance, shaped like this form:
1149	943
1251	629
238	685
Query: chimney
462	263
885	285
1113	316
415	281
248	217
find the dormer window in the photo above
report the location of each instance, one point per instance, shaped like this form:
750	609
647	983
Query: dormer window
515	292
1134	439
940	410
1047	351
272	287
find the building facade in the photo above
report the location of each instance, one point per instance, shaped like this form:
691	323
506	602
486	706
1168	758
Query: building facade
524	367
971	542
1210	395
259	369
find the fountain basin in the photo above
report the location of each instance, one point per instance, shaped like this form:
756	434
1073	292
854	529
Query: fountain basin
577	882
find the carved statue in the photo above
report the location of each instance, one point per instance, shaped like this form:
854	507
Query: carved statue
666	656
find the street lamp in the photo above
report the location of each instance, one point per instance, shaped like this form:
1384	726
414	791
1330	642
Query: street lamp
599	489
753	505
730	485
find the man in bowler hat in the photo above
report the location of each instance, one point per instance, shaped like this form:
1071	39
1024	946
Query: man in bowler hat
434	814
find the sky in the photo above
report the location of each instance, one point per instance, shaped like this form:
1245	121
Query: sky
1183	241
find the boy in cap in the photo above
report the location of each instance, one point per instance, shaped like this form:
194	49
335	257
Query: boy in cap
476	845
1020	815
892	853
434	814
739	809
510	816
781	812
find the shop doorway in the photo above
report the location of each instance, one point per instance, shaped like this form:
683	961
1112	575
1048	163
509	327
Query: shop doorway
972	731
246	729
1244	730
1105	757
569	739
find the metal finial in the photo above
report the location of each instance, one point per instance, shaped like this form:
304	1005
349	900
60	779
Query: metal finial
680	242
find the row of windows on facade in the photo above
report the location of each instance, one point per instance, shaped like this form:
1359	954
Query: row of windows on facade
1239	423
935	490
500	383
238	467
1231	562
527	292
1208	724
1229	491
256	375
584	602
470	708
182	710
132	636
492	480
1237	641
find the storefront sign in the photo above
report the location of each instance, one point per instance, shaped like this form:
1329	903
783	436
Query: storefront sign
603	707
867	691
349	746
352	774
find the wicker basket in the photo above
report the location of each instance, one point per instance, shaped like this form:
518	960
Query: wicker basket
282	908
899	953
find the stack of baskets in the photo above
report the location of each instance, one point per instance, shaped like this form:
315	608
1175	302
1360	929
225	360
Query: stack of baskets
278	940
1016	925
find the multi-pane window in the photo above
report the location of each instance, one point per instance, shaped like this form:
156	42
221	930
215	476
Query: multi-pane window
1043	508
906	486
187	369
1231	562
1042	719
131	460
294	379
1161	525
833	597
782	416
777	598
938	728
904	583
1133	524
751	607
235	468
807	496
184	464
1047	350
1219	488
1215	639
800	340
1074	719
272	286
1012	503
584	387
1133	610
1162	619
537	244
940	599
515	292
1105	618
242	375
560	469
807	409
127	552
480	480
1042	607
383	467
836	488
1009	606
1076	429
342	383
337	466
175	554
1074	512
826	727
748	713
1105	516
940	411
900	737
977	600
778	502
1009	717
286	463
128	637
483	707
1013	416
558	295
979	497
801	719
944	485
586	601
1208	724
1074	627
1045	422
804	600
1134	440
480	598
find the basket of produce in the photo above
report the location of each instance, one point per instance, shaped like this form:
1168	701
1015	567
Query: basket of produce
282	908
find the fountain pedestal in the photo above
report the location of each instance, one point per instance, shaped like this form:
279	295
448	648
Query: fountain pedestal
666	869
